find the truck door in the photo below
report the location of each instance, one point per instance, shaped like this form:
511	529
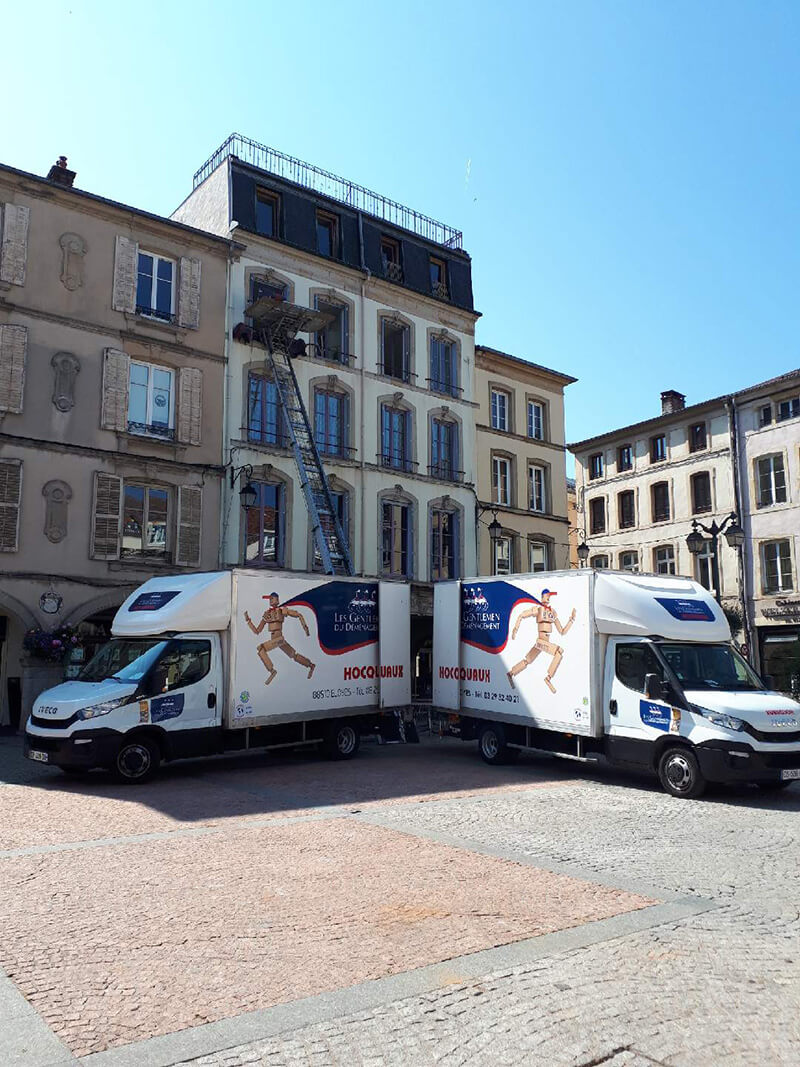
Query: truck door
629	712
182	690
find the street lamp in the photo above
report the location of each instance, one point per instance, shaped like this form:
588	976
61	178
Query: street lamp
583	553
695	542
495	529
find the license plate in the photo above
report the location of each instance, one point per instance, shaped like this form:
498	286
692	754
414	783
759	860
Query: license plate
41	757
787	776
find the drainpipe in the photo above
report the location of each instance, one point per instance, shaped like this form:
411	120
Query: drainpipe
744	597
362	337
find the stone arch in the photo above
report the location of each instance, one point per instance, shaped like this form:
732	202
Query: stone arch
112	598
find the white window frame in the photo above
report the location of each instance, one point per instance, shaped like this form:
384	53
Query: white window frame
533	407
496	396
669	564
537	496
154	283
599	562
148	552
629	552
702	562
497	461
149	407
770	459
507	564
593	477
545	549
783	586
791	401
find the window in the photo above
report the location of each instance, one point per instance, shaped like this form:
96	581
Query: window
265	423
697	437
263	287
502	555
395	346
625	458
658	448
626	509
267	213
788	409
444	449
765	415
629	561
776	567
264	526
181	663
444	373
144	521
331	422
395	438
771	481
659	501
396	539
438	269
703	567
597	515
341	505
390	259
599	563
701	492
499	414
537	556
537	497
151	400
664	559
332	342
444	545
327	234
501	480
634	663
535	420
155	287
595	466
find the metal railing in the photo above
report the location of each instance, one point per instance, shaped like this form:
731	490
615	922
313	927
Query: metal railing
323	181
445	473
154	313
332	355
396	462
393	272
437	386
329	446
408	377
166	433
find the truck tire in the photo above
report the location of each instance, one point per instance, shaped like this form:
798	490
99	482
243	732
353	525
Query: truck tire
342	741
492	745
137	760
680	774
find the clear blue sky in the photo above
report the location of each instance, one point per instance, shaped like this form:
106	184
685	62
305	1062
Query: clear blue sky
625	172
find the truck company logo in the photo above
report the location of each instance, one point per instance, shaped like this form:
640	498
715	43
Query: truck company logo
485	614
655	715
354	674
345	621
168	707
686	610
466	674
50	710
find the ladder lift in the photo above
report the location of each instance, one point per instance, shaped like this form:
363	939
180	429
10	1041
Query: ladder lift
276	324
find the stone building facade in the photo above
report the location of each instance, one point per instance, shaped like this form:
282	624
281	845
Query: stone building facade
112	367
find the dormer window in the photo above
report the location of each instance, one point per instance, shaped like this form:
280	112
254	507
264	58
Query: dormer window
438	269
390	259
267	213
327	234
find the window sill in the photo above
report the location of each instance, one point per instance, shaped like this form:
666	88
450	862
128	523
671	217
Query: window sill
142	562
143	322
157	445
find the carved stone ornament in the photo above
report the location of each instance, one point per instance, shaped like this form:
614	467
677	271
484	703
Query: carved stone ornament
333	381
73	249
397	397
66	368
57	495
50	602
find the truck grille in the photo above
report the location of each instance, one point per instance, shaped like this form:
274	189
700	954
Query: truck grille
53	724
773	737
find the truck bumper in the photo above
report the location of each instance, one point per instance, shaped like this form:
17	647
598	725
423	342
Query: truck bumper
83	748
736	761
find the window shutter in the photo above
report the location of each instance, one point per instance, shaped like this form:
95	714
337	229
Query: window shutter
190	499
345	333
189	293
190	405
13	347
10	499
106	519
126	266
14	250
116	383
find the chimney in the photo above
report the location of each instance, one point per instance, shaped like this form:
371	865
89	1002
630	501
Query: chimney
672	401
60	174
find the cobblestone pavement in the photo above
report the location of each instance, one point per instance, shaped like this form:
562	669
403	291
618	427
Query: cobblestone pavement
222	896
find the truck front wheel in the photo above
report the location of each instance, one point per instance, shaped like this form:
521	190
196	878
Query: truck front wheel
492	746
342	741
137	760
680	774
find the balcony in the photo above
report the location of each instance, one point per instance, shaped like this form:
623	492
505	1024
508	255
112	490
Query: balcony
143	429
392	272
333	449
326	354
443	472
445	388
396	462
158	316
439	290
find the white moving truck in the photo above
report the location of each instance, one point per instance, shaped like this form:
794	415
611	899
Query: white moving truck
636	668
208	663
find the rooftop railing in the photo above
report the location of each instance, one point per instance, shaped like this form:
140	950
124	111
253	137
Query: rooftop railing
328	184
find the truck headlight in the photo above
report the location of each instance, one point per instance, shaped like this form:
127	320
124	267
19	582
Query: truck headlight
102	709
719	718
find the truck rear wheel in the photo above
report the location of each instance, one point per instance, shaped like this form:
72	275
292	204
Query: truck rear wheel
137	760
680	774
342	741
492	745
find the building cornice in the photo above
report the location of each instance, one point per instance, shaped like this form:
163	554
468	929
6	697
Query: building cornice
517	368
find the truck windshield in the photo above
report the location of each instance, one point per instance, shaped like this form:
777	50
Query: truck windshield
709	667
123	659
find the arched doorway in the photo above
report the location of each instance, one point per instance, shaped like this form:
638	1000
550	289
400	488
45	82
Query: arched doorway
93	623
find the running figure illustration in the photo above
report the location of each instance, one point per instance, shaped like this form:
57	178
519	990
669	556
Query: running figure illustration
546	619
273	619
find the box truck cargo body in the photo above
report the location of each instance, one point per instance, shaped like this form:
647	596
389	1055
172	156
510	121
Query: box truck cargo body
635	668
208	663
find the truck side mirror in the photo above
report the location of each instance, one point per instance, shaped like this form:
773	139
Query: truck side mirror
653	687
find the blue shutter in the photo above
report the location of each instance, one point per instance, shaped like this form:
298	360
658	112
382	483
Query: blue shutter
385	432
345	334
345	425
